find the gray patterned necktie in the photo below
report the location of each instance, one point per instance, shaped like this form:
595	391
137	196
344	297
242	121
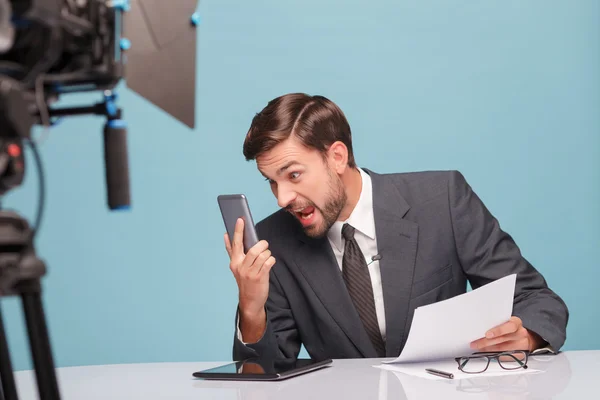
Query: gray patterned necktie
358	281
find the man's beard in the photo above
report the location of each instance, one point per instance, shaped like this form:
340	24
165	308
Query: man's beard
336	200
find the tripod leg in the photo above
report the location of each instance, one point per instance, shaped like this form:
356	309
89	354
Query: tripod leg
9	388
40	345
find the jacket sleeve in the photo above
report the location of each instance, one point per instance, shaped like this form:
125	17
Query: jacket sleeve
280	340
488	253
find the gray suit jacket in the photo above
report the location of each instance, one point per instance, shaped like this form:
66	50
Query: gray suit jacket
433	233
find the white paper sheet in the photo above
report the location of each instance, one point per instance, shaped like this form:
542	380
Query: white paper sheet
418	369
445	329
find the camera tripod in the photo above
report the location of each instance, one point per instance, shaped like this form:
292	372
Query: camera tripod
20	269
20	274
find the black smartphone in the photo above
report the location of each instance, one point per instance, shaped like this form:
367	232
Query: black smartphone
234	206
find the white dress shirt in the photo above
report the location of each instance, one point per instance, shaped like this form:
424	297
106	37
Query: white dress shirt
363	220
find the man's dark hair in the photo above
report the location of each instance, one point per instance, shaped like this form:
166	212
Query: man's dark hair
315	120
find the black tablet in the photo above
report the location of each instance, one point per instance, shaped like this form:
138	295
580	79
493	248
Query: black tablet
262	370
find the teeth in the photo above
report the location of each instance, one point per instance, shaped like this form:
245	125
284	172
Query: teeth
307	216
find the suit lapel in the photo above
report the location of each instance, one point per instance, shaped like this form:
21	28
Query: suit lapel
316	261
397	244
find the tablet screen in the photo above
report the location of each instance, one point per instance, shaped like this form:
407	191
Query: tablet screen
262	369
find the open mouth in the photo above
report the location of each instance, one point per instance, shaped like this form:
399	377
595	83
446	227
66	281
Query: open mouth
305	215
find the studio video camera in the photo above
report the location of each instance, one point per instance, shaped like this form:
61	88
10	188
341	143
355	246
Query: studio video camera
51	48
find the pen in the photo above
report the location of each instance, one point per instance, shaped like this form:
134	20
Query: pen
440	373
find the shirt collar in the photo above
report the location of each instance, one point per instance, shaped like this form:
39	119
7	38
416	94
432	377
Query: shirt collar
361	218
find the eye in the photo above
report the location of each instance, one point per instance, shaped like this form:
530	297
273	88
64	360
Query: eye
294	175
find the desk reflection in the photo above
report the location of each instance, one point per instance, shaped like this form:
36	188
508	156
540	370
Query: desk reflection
554	378
331	383
352	380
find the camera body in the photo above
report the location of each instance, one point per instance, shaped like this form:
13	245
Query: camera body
49	48
72	45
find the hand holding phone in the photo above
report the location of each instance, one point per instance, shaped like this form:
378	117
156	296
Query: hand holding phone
250	267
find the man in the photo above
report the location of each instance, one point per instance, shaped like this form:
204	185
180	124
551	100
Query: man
352	253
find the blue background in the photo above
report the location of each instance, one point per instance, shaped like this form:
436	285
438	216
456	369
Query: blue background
508	92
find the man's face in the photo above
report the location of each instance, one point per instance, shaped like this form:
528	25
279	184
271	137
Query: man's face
304	185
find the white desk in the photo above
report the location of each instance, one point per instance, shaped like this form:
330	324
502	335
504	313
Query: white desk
569	375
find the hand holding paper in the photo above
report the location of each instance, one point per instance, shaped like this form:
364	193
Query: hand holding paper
445	330
509	336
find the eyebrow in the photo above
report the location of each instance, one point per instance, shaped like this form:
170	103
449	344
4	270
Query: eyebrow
280	170
286	166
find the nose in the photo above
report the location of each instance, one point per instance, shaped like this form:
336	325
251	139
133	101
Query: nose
285	196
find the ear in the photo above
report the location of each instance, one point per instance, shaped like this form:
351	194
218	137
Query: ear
337	156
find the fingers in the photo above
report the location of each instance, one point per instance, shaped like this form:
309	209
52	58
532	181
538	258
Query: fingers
227	244
260	260
516	336
254	253
249	268
259	269
511	330
238	237
511	345
267	265
506	328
